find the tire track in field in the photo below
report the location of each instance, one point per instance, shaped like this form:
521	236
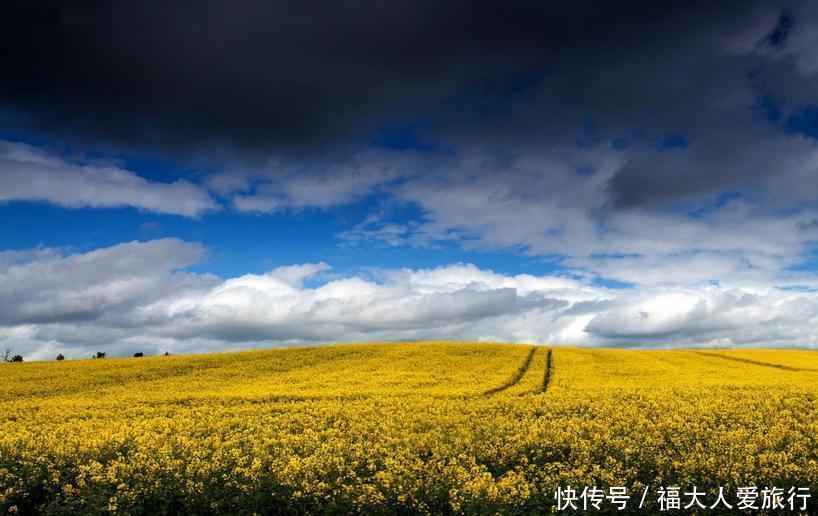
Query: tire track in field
756	362
549	366
517	376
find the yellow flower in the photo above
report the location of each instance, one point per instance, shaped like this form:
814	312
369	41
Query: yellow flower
422	428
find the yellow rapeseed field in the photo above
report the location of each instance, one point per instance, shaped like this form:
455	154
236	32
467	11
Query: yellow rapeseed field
384	428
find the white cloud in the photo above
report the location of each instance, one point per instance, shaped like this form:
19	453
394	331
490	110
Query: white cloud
542	202
324	183
136	296
45	286
30	174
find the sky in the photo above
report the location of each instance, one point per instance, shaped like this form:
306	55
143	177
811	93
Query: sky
207	176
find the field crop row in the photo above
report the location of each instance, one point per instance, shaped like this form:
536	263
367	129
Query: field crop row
398	427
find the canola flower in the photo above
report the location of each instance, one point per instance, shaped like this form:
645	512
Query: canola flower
417	428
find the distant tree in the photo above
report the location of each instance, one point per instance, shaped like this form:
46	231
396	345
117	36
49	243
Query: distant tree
6	355
100	354
167	354
17	358
138	354
60	357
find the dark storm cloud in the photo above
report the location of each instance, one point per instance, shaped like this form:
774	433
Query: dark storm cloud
646	105
248	73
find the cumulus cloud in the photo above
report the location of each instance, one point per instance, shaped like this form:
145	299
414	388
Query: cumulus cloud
137	296
31	174
47	286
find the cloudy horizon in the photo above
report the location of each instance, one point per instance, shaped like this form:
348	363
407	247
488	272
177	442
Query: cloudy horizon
196	178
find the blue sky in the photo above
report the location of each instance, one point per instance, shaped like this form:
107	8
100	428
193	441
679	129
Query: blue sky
635	175
241	242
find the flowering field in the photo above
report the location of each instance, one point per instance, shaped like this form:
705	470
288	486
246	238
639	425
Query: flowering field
432	427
